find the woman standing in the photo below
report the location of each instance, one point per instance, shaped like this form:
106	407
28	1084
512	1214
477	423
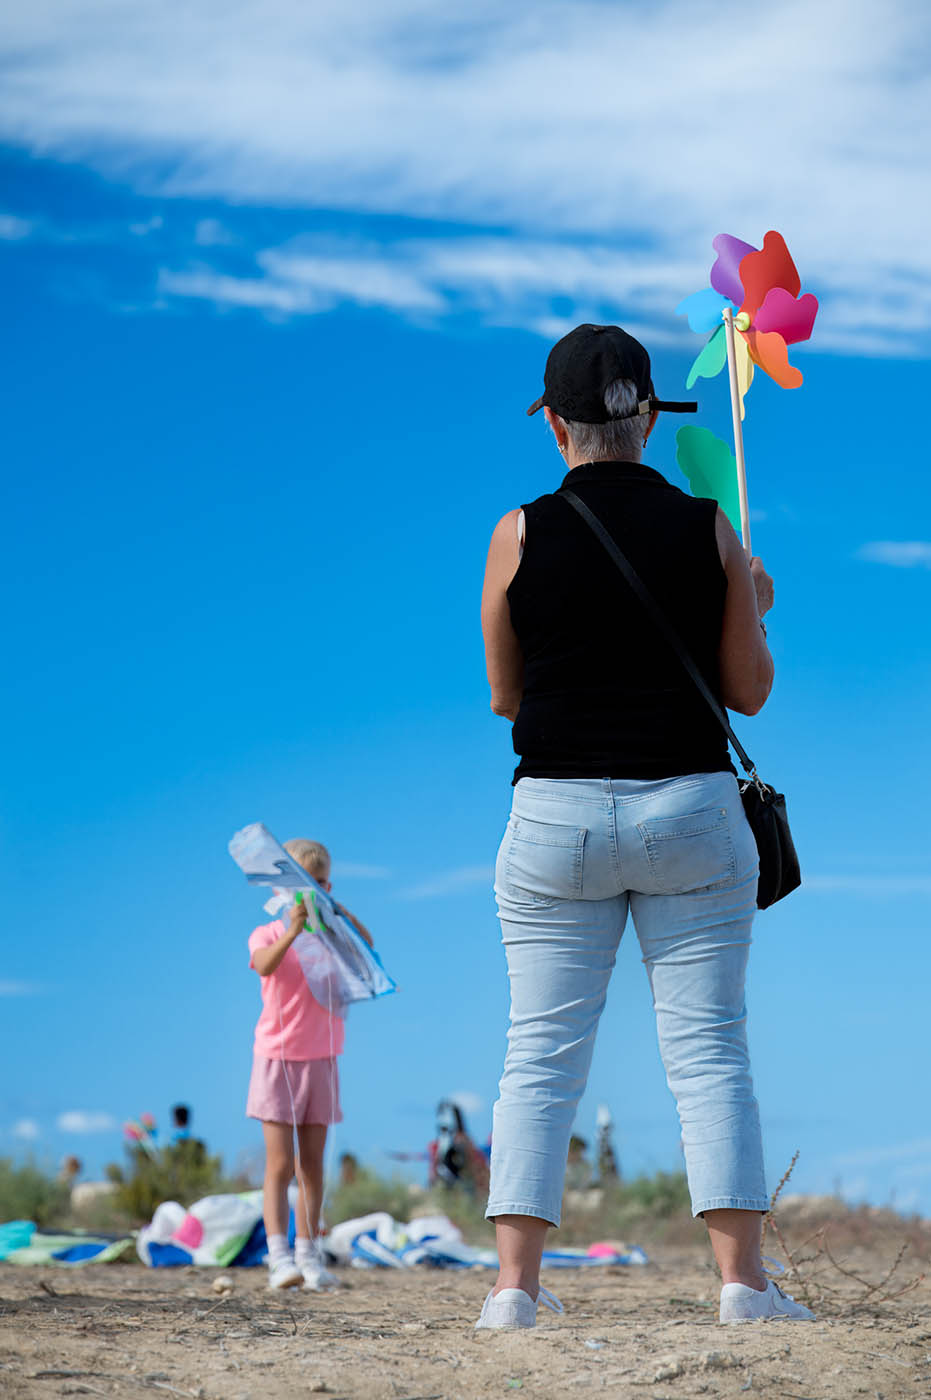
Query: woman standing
625	799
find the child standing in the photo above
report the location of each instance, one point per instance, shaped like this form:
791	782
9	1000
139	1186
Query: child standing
294	1089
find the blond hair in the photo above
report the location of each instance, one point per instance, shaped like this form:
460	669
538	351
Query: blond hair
314	857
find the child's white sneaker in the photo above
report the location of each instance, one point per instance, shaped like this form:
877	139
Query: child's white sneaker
316	1275
739	1303
512	1309
284	1274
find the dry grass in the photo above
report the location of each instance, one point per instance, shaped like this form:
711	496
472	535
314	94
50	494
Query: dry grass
832	1267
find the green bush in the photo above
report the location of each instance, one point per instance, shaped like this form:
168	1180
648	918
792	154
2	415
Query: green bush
28	1193
648	1208
367	1193
179	1171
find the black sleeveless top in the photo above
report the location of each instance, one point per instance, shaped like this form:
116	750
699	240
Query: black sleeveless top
604	695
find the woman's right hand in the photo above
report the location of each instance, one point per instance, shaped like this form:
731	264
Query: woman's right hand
745	665
765	591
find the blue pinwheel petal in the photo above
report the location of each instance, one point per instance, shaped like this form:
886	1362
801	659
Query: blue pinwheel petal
710	359
703	310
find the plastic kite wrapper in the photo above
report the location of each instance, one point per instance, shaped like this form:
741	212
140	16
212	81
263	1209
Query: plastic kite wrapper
338	964
755	312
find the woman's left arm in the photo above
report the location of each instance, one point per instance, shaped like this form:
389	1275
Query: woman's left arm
504	661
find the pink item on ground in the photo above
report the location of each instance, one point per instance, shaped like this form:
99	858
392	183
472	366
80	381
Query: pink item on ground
190	1232
605	1249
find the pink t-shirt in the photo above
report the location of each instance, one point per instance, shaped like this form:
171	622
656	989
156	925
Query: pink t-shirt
293	1025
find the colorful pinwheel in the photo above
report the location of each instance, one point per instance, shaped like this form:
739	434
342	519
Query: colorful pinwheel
762	286
141	1133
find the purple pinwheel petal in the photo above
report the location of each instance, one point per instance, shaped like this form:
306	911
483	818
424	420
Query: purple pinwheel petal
781	312
703	310
724	275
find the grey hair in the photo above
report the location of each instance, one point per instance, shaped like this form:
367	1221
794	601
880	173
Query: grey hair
620	439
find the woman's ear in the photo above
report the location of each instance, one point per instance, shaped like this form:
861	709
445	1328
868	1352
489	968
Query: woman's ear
558	427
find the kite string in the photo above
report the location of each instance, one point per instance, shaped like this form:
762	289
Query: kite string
294	1128
333	1072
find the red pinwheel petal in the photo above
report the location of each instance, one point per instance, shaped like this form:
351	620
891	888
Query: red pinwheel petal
781	312
725	277
771	267
769	351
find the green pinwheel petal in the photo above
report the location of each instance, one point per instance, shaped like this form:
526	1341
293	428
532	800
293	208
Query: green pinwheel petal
710	467
710	360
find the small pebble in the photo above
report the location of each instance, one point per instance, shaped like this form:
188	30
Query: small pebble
223	1284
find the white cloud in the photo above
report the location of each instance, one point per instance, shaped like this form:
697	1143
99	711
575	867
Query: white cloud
901	554
891	1155
506	281
868	884
352	870
653	127
27	1129
79	1120
451	882
147	226
13	228
210	233
19	989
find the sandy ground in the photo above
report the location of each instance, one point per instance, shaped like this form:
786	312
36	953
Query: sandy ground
121	1330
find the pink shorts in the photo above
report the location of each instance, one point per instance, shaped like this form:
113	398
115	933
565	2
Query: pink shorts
294	1091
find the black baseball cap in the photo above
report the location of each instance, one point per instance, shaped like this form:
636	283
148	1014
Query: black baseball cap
580	367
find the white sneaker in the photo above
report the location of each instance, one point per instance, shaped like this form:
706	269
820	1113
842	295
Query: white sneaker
512	1309
742	1304
284	1274
315	1273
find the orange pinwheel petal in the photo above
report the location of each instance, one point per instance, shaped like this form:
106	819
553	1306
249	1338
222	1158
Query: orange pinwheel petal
770	352
770	267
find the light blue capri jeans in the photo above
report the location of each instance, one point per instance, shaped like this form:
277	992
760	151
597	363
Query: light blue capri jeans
576	855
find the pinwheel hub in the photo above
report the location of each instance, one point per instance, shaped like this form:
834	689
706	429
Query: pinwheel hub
742	321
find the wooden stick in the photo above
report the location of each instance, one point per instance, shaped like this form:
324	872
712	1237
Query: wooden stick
738	429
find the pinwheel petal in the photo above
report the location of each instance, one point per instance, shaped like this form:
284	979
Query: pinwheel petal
710	359
744	367
771	267
709	465
703	310
781	312
769	351
725	275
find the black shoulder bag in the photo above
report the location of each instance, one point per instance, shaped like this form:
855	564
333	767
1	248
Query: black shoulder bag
764	807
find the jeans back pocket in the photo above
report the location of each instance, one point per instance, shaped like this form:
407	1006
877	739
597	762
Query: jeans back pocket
542	862
690	852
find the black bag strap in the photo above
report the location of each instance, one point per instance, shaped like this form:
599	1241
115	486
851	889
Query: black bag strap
662	622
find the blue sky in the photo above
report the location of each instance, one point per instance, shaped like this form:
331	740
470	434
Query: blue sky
278	290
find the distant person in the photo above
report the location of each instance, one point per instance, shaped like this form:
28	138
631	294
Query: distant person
608	1169
295	1085
348	1169
69	1171
578	1167
182	1141
625	801
454	1158
181	1122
